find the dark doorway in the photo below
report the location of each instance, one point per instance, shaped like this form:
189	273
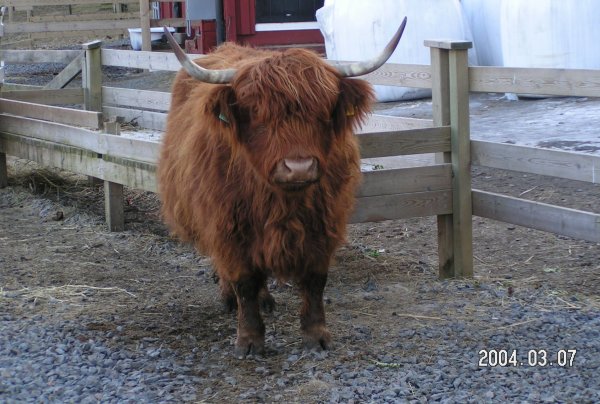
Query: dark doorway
268	11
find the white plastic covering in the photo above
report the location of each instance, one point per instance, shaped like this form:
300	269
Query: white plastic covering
358	30
536	33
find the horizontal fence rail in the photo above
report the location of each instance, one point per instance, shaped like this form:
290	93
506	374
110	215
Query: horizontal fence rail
554	163
568	82
536	215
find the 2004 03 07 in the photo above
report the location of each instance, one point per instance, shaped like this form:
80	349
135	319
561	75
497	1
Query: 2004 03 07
533	358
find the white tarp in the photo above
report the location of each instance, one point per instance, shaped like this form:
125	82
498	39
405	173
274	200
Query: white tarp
358	30
536	33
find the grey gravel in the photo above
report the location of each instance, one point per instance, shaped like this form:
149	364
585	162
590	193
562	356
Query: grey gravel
44	361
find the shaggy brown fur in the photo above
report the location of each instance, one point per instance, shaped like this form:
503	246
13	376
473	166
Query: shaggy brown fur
221	147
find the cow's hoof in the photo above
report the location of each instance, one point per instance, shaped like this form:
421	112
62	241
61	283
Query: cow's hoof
249	346
317	337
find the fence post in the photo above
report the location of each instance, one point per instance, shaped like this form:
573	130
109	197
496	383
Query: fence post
450	101
92	76
145	25
114	209
92	98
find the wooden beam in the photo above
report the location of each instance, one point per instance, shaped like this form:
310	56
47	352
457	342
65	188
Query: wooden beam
145	24
40	27
462	210
116	146
144	119
568	82
534	160
403	75
413	141
68	116
23	3
24	56
114	207
406	180
92	78
141	60
131	173
127	97
67	74
536	215
384	123
440	102
63	96
402	206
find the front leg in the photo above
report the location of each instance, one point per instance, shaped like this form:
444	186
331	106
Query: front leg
251	329
312	313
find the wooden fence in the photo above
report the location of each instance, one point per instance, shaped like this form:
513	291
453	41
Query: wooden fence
34	128
89	17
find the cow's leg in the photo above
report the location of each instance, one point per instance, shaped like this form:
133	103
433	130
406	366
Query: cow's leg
267	303
312	313
251	329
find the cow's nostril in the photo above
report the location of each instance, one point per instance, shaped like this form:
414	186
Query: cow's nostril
301	165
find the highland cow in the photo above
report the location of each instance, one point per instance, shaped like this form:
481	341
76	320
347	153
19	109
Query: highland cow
259	170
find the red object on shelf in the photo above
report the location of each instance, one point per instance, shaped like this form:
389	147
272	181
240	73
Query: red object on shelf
205	40
239	19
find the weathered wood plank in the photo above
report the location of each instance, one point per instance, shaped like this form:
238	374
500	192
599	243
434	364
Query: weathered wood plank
405	180
114	206
126	97
87	17
133	174
145	119
92	76
569	82
536	215
63	96
31	27
141	59
24	3
402	206
461	160
383	123
89	119
67	74
440	103
396	143
23	56
117	146
555	163
403	75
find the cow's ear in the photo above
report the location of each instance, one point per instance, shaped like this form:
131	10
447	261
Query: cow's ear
221	105
354	103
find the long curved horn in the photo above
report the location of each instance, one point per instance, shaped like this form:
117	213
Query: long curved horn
368	66
198	72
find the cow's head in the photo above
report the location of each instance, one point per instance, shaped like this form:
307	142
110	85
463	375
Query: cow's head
288	110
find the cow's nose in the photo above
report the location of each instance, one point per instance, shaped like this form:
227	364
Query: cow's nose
300	167
297	170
